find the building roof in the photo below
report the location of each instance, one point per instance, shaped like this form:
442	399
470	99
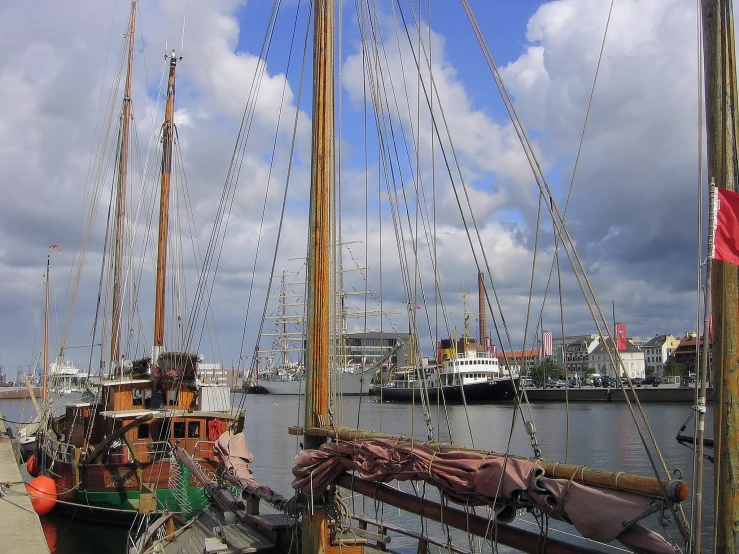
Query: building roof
519	354
657	340
688	343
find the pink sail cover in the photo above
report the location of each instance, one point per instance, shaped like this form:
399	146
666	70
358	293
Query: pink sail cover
232	451
477	479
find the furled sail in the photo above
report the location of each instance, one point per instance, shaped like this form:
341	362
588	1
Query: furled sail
481	479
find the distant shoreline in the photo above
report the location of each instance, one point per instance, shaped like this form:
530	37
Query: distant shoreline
661	393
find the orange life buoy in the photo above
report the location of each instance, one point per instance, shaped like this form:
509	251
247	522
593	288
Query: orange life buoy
43	494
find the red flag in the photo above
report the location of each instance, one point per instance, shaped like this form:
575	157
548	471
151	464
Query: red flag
547	345
58	248
726	238
620	336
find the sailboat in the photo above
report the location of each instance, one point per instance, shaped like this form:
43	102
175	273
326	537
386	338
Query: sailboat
601	505
110	455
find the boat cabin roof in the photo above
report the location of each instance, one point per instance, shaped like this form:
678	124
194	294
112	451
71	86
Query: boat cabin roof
160	414
114	382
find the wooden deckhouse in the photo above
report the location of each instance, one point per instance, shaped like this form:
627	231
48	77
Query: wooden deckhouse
116	453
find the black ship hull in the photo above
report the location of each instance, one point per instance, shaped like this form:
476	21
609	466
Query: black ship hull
501	390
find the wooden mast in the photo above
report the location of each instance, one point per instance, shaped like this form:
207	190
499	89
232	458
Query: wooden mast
315	529
168	130
120	202
316	404
45	370
722	133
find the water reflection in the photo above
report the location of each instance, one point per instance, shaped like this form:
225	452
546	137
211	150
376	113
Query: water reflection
597	434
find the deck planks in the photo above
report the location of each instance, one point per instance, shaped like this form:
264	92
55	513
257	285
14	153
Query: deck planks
239	537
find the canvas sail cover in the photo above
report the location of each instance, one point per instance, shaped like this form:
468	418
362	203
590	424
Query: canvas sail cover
176	366
476	479
233	452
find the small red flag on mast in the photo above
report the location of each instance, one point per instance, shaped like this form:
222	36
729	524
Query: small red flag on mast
58	248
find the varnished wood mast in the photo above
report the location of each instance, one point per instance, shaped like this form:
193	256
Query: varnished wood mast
316	403
120	198
722	132
168	130
315	529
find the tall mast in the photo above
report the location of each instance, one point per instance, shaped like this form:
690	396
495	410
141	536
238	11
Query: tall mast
168	130
481	307
319	224
45	370
120	202
315	533
722	133
283	315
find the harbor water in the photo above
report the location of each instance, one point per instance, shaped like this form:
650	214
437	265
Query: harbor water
598	434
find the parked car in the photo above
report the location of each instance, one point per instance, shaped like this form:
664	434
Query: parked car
528	383
652	380
637	381
608	382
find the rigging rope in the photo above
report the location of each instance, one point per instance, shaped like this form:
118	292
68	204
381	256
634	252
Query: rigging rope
568	245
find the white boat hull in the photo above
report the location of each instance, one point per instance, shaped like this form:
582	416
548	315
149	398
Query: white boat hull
350	384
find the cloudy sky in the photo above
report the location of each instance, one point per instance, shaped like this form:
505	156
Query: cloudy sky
633	211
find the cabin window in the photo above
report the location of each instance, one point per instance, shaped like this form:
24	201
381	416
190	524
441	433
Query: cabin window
193	430
178	430
172	397
143	431
142	397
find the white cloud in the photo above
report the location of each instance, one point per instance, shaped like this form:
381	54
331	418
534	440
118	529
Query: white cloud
632	213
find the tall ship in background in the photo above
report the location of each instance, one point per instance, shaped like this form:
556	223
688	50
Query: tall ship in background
280	369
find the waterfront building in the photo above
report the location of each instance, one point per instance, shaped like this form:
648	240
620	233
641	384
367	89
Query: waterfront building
522	360
576	354
685	353
561	344
368	348
658	350
633	360
215	374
